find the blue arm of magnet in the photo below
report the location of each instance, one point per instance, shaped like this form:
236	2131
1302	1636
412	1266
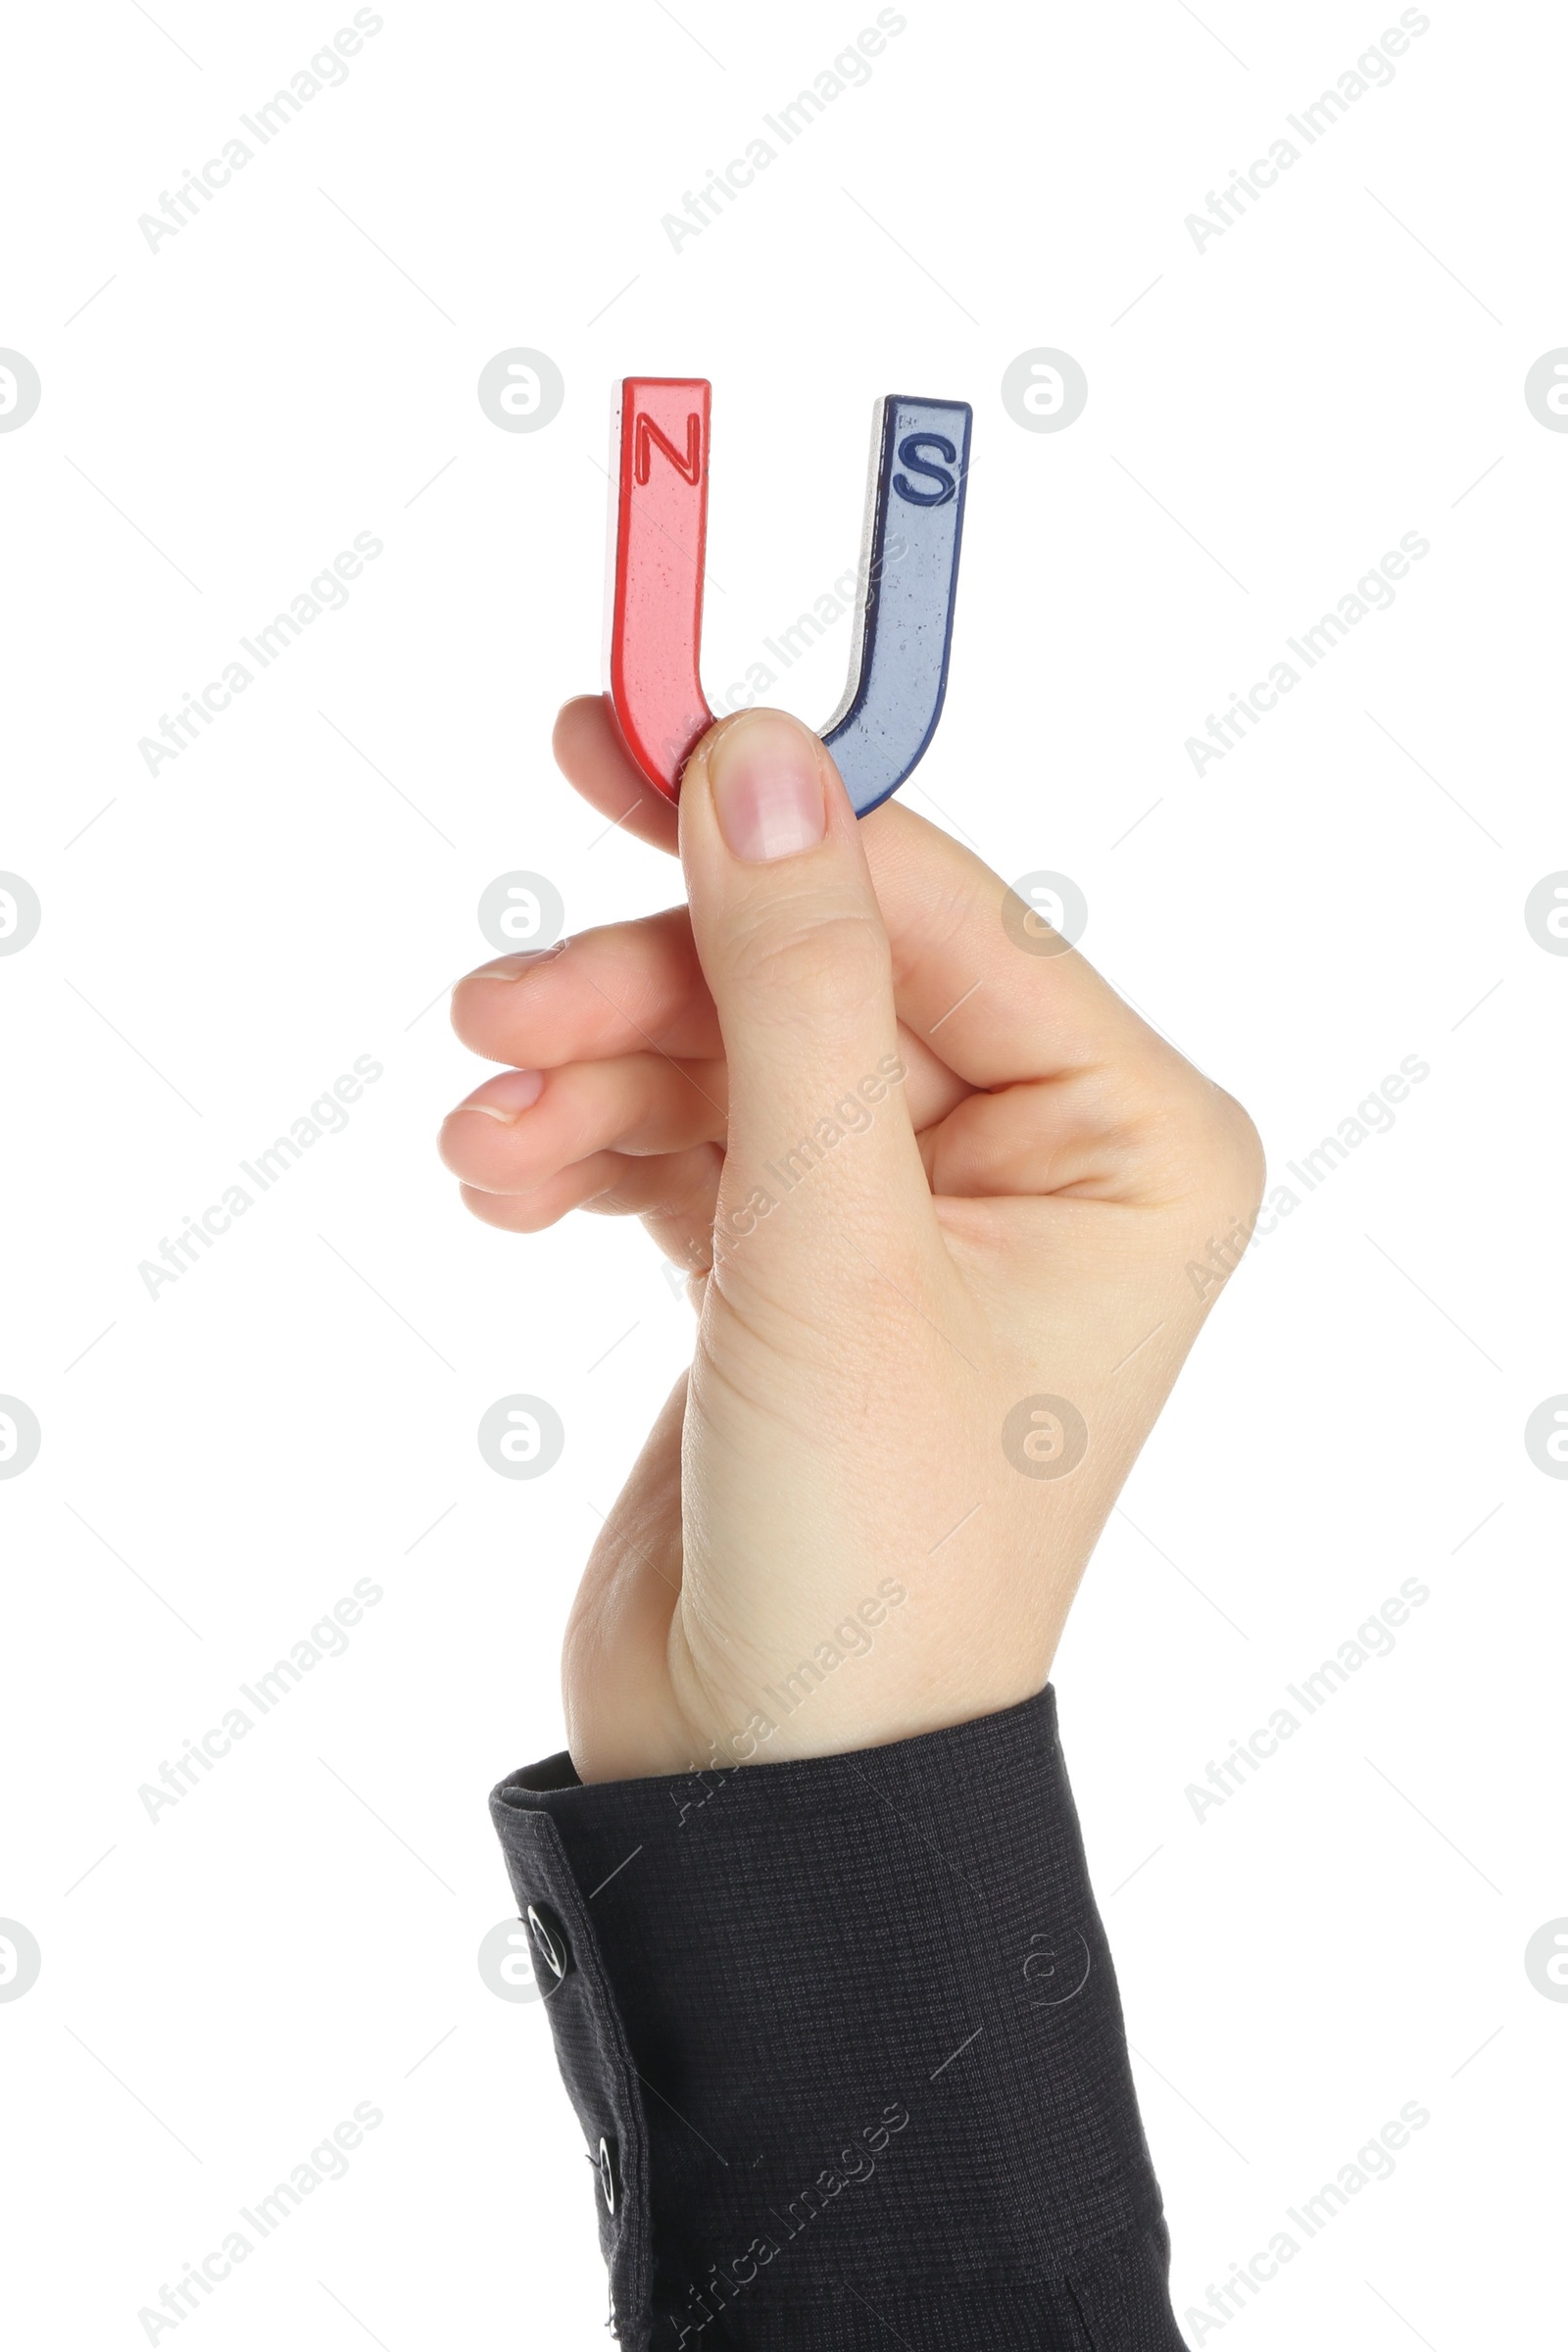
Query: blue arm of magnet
898	674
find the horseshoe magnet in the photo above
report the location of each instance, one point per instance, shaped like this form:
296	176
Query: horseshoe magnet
904	614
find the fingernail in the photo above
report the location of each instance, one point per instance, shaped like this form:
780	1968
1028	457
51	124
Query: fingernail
768	788
513	968
508	1097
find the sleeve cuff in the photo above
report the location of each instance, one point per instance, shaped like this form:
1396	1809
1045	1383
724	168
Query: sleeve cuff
843	2040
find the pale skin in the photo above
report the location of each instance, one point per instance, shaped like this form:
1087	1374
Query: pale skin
1013	1219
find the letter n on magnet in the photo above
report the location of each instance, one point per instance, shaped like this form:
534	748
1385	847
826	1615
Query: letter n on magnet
656	593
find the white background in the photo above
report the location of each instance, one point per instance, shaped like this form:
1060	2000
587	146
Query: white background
298	1410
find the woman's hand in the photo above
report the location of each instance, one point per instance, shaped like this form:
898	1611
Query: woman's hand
937	1187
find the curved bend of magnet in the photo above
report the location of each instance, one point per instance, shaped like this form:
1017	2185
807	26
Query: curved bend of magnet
904	614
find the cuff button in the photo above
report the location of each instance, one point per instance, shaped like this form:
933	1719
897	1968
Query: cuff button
607	2173
550	1944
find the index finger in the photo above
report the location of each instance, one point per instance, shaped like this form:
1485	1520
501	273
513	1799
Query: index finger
591	756
981	976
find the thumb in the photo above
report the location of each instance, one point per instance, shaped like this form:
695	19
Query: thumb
796	954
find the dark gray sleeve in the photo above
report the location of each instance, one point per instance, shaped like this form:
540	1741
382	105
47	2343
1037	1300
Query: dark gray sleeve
843	2040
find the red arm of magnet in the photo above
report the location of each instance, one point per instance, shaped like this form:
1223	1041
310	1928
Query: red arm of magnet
655	616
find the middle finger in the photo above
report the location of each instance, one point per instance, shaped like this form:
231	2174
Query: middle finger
523	1126
613	990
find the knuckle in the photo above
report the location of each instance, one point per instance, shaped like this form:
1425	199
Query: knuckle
838	962
1227	1151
